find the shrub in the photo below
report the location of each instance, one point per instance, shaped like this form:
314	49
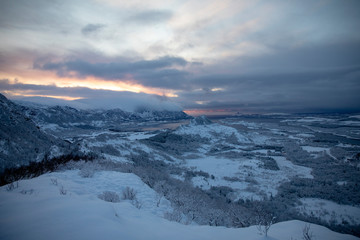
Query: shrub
88	170
12	186
109	196
54	181
62	190
136	203
30	191
174	216
129	193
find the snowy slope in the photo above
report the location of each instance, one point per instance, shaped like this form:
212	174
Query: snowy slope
21	141
53	117
37	210
211	131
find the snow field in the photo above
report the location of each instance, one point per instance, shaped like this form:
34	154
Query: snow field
208	131
314	151
250	180
44	213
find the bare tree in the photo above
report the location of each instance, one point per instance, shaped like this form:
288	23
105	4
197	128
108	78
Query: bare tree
264	220
128	193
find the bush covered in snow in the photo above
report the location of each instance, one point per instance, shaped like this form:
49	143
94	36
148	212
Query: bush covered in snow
128	194
109	196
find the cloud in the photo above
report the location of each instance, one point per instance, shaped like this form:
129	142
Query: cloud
261	54
91	98
161	72
307	90
150	17
307	78
92	28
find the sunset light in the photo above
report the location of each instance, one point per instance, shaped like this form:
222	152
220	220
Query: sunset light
180	119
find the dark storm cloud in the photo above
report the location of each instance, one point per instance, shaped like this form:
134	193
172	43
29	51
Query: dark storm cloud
6	85
150	16
317	78
312	90
323	77
53	90
165	78
155	73
92	28
314	78
283	78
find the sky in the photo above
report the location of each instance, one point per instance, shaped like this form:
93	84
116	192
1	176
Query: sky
204	57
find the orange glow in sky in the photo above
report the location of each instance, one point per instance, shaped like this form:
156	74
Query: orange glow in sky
51	79
22	94
209	112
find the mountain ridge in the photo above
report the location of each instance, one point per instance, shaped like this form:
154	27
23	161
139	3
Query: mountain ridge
66	116
21	140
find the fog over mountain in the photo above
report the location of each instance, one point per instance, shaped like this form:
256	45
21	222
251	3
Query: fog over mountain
127	101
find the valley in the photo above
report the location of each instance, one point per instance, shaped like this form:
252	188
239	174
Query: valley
226	172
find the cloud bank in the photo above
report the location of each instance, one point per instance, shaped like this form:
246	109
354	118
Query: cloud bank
89	98
246	56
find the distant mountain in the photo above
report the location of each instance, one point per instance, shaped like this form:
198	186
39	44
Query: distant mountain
68	117
201	120
22	136
21	140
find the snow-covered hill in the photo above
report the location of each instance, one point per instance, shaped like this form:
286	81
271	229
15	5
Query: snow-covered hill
60	117
21	141
233	173
64	205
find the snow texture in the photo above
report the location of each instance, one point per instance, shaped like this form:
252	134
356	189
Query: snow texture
37	210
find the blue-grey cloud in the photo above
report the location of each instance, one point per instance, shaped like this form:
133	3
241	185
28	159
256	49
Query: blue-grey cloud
309	78
92	28
150	16
154	73
306	54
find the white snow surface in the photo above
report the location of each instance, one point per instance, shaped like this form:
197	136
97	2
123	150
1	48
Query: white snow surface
309	120
311	149
250	180
317	150
139	135
249	125
211	131
37	210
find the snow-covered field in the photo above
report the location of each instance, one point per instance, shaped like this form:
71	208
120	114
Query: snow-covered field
249	160
245	176
63	205
212	131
